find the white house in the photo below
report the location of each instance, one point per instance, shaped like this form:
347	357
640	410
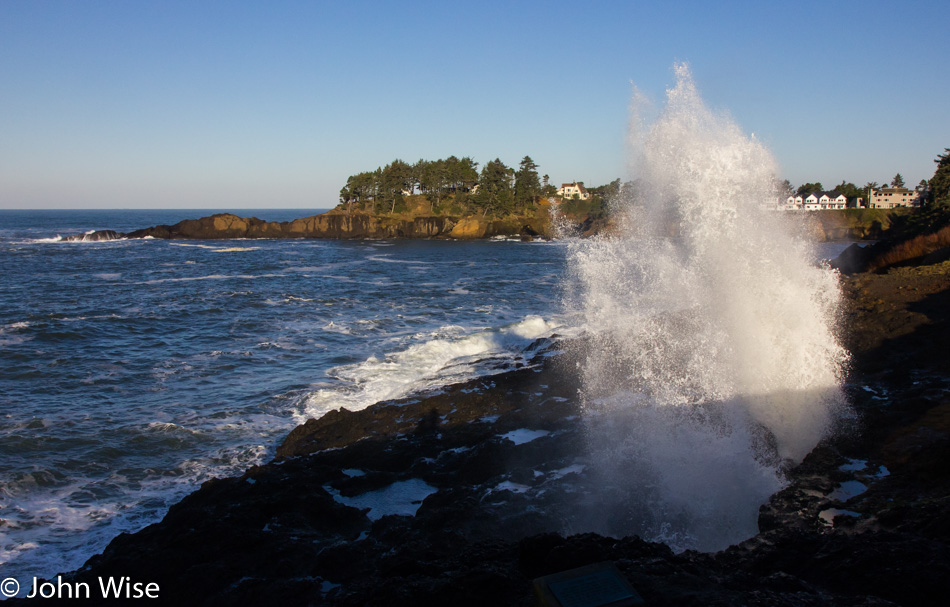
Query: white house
832	200
570	190
817	201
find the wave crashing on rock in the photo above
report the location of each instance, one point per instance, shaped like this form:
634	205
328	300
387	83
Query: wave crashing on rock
712	360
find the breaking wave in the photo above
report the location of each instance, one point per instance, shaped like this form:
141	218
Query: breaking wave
712	360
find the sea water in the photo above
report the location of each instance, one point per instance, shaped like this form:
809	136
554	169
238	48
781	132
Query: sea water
133	370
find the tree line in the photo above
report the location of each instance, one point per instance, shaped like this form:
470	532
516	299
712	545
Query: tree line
456	185
496	189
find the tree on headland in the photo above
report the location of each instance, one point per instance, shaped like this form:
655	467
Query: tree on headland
455	186
396	178
939	185
849	190
495	195
897	182
527	184
810	188
783	189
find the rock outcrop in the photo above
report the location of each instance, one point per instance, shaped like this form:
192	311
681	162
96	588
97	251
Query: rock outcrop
853	224
340	225
97	236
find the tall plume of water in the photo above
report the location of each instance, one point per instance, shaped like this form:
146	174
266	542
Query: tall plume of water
711	360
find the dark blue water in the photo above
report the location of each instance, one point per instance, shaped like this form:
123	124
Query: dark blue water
132	370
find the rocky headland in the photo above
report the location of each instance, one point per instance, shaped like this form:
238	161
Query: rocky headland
464	496
338	224
542	221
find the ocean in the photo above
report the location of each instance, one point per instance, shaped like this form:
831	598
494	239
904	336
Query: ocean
133	370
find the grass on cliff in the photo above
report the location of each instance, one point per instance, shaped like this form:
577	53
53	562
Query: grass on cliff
913	237
914	249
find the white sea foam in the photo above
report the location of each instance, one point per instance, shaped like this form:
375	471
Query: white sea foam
436	359
209	277
387	259
39	533
10	334
196	246
712	354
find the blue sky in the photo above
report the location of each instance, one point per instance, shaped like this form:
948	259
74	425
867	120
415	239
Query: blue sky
203	104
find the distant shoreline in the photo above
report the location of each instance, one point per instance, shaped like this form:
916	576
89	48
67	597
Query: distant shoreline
338	224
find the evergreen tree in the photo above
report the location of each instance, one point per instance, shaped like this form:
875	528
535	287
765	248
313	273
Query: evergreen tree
494	188
394	179
850	190
810	188
939	184
527	184
897	182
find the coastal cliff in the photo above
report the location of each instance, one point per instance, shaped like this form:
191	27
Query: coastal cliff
852	224
327	225
339	224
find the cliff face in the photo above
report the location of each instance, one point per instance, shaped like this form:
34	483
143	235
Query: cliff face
854	224
346	226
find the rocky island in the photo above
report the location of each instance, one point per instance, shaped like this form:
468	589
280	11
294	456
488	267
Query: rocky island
453	497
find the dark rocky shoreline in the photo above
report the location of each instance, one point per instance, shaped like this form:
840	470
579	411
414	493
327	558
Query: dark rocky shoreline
335	225
341	225
277	535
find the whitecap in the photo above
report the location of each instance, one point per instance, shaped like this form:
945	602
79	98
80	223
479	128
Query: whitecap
438	358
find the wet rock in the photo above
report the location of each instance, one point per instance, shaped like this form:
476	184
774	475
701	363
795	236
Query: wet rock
853	259
97	236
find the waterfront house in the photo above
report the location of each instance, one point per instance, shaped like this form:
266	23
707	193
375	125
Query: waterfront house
574	189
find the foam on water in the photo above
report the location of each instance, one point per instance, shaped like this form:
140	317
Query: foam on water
712	359
448	355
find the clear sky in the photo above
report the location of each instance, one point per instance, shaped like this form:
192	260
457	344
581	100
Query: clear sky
235	104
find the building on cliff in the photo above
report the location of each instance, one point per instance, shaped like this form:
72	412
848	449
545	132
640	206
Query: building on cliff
889	198
572	190
818	201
